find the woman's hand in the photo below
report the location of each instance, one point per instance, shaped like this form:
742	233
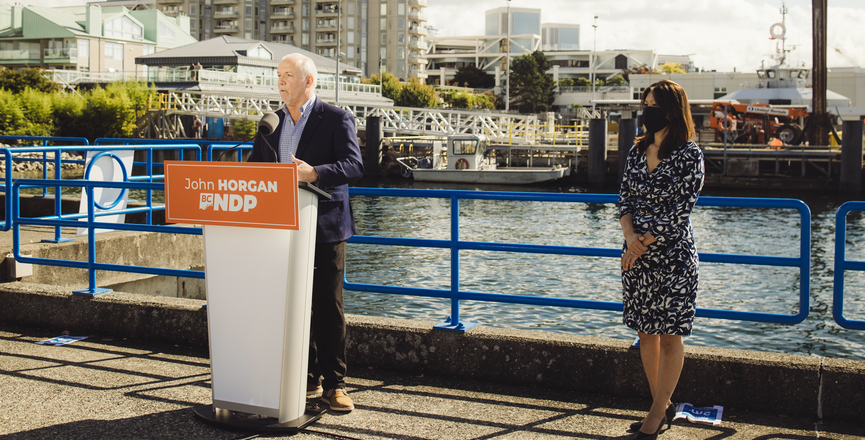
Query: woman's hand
636	248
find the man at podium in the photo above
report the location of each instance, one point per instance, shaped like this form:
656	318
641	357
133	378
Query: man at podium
322	140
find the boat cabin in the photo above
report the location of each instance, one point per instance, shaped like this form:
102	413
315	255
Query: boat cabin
466	151
783	77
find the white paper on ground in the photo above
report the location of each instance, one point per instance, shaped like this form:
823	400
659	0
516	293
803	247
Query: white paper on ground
61	340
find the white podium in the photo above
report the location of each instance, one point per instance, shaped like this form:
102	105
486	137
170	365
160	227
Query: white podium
259	296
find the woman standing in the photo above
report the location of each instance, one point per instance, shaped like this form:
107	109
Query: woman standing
663	178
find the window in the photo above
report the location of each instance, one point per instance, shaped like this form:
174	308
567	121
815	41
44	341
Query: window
400	67
383	8
466	146
123	27
400	9
383	39
621	62
384	24
350	8
305	24
248	9
304	39
148	49
350	23
400	23
400	38
383	53
400	53
166	35
349	38
192	10
84	49
113	51
305	10
350	52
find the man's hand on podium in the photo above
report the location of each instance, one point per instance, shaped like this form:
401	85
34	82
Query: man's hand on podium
305	172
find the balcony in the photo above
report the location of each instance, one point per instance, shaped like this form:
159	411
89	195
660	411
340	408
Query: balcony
417	59
226	2
418	3
325	25
225	28
282	29
18	55
69	54
282	14
417	30
327	11
169	2
419	16
325	42
282	2
226	13
172	12
418	45
283	40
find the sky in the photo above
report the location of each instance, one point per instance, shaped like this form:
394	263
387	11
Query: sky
719	35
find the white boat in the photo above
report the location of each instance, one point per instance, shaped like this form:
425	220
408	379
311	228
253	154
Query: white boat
464	163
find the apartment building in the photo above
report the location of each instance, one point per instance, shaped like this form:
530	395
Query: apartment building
374	35
85	38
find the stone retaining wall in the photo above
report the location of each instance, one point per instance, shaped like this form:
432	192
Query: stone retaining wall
804	386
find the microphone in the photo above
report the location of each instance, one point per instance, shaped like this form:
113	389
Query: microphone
266	125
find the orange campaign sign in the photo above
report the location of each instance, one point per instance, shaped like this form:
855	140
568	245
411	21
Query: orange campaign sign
253	195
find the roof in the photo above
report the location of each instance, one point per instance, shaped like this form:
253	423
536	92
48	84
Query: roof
231	50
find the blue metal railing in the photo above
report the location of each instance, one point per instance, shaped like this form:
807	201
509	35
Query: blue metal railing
842	265
7	180
455	245
150	182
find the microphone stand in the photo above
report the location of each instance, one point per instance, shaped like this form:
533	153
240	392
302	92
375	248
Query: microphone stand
232	148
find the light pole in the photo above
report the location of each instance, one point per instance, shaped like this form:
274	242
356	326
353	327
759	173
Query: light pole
338	25
508	62
592	61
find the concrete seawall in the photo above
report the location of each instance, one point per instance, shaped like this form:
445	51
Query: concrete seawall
795	385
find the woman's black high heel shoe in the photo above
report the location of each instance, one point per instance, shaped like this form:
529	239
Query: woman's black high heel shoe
640	435
670	413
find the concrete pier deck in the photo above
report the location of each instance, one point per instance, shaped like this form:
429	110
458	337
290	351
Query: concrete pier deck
103	387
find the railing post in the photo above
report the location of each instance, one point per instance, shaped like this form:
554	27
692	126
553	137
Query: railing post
91	290
453	322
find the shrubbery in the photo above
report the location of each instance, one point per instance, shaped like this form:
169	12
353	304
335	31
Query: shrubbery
33	106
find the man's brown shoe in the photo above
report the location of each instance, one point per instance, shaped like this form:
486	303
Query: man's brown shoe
338	400
313	390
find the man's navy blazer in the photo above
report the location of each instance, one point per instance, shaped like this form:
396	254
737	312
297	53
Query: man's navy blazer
329	144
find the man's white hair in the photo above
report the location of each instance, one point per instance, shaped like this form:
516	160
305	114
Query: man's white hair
305	66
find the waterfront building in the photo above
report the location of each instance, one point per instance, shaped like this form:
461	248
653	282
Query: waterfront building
373	36
85	38
559	42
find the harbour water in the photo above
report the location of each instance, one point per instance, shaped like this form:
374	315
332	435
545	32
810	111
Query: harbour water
769	289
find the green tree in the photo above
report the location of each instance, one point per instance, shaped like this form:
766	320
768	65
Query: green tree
36	107
415	94
584	82
473	77
109	113
531	86
68	111
567	82
616	80
244	128
16	81
671	67
12	119
389	84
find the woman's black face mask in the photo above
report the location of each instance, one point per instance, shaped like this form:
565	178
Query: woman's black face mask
654	120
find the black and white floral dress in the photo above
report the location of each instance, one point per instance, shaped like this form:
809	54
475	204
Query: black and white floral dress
659	293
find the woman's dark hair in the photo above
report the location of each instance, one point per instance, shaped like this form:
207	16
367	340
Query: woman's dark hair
673	103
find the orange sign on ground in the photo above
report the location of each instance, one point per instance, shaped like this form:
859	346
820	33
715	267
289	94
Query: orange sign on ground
253	195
